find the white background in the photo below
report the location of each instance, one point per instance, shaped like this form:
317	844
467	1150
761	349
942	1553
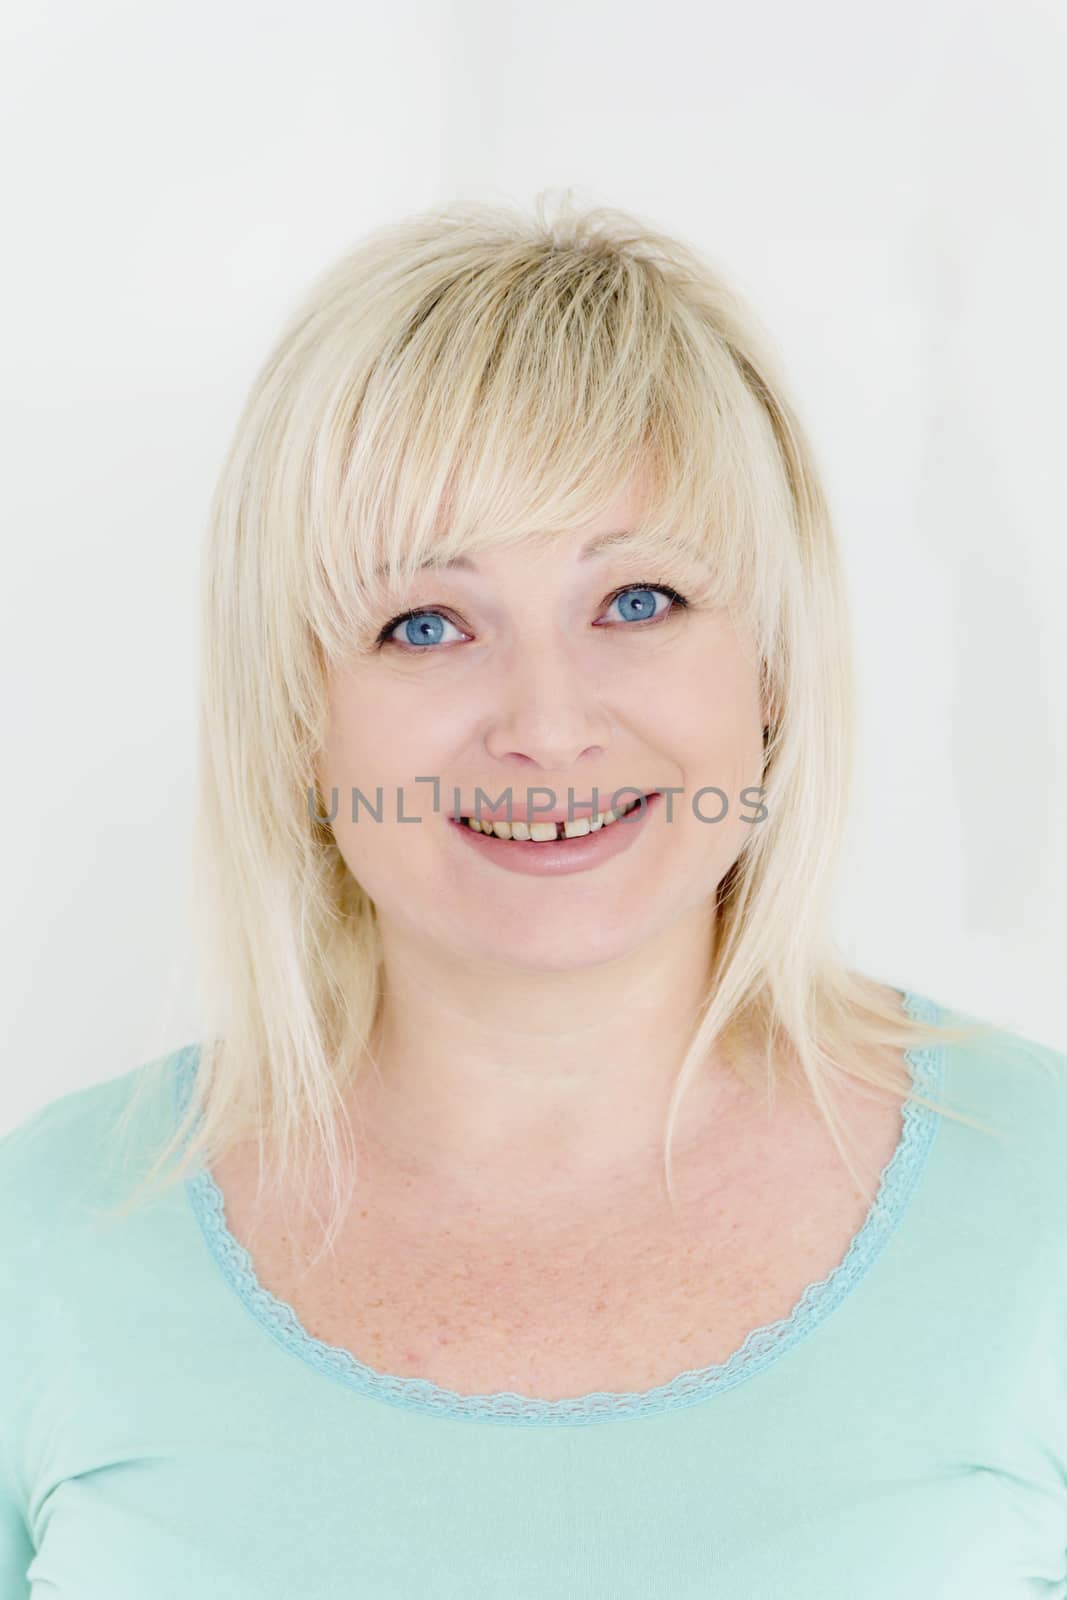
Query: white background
886	185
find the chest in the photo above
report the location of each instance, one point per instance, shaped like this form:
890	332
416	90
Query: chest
621	1296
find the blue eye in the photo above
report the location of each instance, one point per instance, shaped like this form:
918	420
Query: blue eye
421	629
638	603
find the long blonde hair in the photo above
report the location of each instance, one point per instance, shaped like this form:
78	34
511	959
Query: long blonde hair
462	379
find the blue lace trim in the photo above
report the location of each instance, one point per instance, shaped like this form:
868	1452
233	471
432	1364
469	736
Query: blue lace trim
763	1345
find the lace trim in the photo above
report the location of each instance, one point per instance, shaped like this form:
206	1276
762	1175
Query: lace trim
763	1346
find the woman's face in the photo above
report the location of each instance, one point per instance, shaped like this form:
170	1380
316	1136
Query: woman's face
528	674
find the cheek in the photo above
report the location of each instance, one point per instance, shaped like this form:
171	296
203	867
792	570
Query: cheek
711	718
375	740
710	727
379	734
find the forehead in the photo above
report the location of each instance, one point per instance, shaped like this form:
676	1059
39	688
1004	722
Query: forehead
611	531
614	541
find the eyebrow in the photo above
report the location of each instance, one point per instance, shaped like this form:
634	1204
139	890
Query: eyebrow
590	550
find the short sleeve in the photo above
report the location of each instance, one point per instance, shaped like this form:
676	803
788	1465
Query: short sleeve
16	1546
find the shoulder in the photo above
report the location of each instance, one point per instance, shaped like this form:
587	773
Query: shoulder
63	1169
74	1152
1003	1067
1012	1088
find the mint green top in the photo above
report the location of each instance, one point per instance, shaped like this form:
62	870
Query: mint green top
169	1429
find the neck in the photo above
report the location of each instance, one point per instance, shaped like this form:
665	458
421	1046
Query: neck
494	1079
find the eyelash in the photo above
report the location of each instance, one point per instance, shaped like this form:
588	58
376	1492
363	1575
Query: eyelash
679	603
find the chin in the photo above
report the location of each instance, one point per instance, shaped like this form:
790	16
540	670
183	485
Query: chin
572	947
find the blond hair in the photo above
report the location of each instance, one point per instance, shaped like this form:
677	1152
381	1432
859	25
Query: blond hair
462	379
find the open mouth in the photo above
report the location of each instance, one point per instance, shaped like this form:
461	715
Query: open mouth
544	832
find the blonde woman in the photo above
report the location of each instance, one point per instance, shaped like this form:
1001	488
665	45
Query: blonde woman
548	1209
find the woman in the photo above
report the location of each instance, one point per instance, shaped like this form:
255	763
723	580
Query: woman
549	1209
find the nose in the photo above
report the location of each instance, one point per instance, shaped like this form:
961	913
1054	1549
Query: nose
547	712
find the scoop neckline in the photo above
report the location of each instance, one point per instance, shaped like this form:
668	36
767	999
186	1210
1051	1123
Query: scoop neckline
763	1347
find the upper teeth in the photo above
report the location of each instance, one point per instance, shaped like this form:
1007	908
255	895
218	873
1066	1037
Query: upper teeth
540	832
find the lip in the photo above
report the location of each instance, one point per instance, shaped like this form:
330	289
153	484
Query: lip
564	856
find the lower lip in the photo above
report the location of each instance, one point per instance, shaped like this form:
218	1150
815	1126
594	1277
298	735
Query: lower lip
553	859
